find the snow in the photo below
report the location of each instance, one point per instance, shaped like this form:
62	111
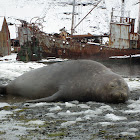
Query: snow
69	104
127	133
65	124
58	14
36	122
10	68
134	107
133	83
4	104
126	56
37	104
132	130
113	117
105	123
57	108
84	106
3	114
107	114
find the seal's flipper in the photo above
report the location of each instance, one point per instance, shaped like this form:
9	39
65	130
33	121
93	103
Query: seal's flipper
54	98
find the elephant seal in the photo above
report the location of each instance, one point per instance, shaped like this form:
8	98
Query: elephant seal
82	80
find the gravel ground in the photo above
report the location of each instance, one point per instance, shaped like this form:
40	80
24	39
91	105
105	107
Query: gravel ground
70	120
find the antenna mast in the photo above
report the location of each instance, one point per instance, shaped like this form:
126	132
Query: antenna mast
73	12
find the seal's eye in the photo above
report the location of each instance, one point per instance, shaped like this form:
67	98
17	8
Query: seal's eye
112	85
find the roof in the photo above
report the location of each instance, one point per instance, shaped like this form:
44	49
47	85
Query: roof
1	22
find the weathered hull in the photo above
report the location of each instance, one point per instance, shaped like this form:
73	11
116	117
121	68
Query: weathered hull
89	51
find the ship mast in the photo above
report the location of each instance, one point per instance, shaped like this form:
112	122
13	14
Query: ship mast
73	12
139	18
122	9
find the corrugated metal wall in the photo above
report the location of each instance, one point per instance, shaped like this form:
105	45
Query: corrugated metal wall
119	36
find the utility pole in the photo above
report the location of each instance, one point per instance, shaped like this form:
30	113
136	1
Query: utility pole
73	13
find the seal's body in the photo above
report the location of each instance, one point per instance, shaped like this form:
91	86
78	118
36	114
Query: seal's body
82	80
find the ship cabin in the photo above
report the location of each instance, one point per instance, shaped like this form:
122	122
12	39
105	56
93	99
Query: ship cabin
122	35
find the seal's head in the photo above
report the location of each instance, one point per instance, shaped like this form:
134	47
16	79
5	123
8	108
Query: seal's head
115	89
118	90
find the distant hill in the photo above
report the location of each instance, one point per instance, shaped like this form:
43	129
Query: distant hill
57	13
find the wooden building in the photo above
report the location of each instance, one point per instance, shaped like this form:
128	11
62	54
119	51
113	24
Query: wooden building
5	43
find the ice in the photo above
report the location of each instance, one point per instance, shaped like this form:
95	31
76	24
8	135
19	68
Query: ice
57	108
3	114
105	123
68	123
107	108
132	130
52	115
69	104
127	134
133	83
134	123
113	117
4	104
10	68
84	106
36	122
134	106
38	104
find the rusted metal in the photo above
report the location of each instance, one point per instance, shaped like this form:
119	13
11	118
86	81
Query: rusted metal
30	39
122	41
77	50
5	44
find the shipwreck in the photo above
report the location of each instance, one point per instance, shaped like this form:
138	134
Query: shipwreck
122	40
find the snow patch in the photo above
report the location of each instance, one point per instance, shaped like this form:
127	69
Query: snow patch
133	83
57	108
38	104
4	114
84	106
113	117
3	105
11	69
36	122
69	104
134	106
68	123
127	134
52	115
105	123
133	130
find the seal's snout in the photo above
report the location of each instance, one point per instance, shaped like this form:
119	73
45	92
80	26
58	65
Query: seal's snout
119	90
121	96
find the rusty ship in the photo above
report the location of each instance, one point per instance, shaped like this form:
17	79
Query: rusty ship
122	41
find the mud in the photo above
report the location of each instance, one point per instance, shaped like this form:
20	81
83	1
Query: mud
71	120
